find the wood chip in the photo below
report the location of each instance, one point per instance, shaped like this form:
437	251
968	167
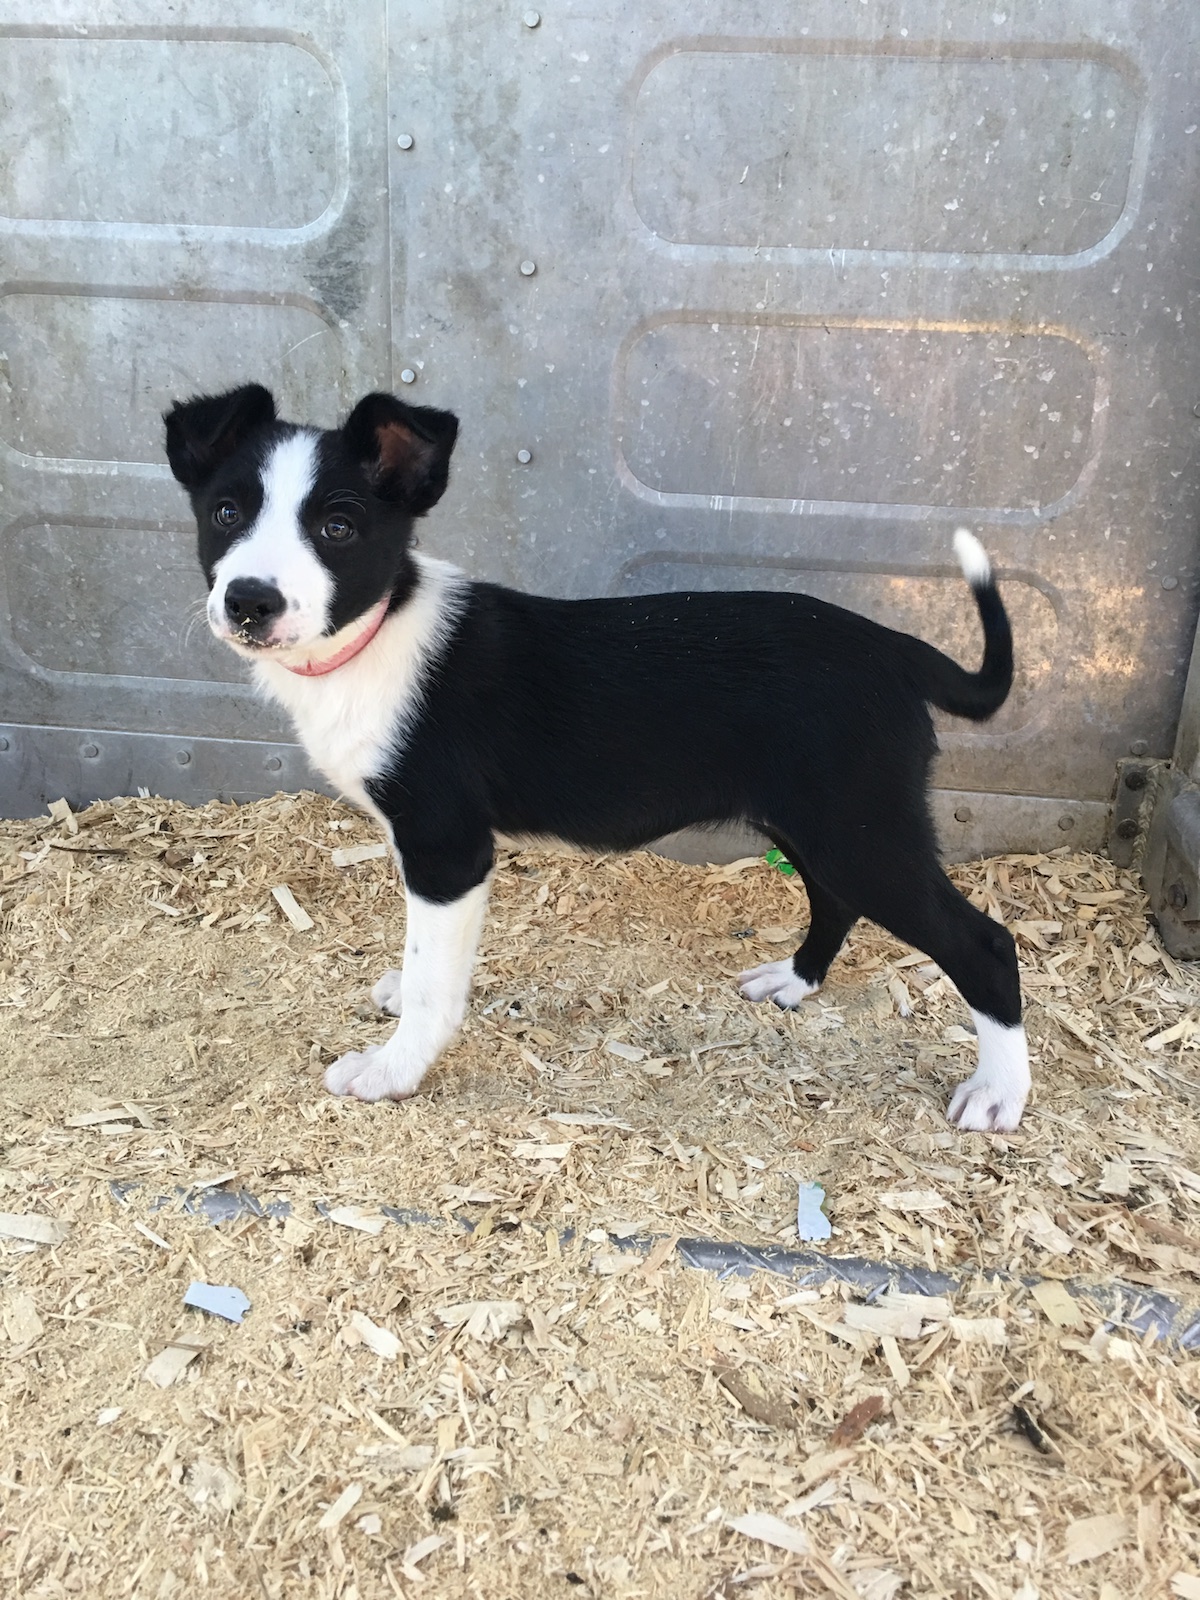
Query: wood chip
623	1051
356	1217
117	1113
856	1421
416	1553
979	1330
349	855
485	1320
21	1322
771	1530
1043	1232
377	1339
33	1227
747	1389
912	1200
1115	1179
1090	1537
62	813
897	1365
341	1508
1057	1304
169	1365
292	909
395	1459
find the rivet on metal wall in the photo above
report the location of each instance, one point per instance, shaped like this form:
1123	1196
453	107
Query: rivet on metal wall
405	141
963	814
408	376
1139	747
524	457
1170	583
528	268
184	757
532	18
272	763
89	752
1135	779
1066	822
3	744
1127	829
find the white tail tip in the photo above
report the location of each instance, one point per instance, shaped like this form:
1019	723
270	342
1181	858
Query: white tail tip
972	558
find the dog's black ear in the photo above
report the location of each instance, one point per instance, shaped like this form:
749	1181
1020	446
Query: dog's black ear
204	431
404	449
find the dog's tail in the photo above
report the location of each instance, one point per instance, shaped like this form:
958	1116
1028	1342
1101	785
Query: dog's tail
947	685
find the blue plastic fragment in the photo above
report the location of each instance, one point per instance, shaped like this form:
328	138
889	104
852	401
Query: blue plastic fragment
811	1222
219	1300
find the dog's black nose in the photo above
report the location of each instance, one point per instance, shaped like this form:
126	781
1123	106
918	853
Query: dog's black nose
249	603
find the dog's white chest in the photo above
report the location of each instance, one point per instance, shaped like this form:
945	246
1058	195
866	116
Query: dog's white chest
353	721
347	735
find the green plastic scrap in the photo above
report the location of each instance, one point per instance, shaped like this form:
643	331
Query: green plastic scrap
776	858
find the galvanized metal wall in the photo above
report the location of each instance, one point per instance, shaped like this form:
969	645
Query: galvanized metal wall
724	296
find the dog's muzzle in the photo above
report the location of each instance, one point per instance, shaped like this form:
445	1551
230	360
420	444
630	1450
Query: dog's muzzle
252	608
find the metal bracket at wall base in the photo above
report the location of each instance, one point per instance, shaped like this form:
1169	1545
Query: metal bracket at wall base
1134	802
1171	865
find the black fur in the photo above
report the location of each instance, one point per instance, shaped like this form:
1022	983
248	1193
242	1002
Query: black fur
610	722
387	466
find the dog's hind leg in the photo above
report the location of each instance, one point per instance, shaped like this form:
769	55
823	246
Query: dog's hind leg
789	982
923	908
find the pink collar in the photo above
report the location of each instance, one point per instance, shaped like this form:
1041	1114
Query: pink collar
318	669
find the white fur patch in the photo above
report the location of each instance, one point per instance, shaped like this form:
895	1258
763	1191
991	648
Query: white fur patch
972	558
439	953
993	1098
353	719
386	993
776	980
275	551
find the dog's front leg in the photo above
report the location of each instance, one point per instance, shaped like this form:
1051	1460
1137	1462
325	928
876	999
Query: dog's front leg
430	995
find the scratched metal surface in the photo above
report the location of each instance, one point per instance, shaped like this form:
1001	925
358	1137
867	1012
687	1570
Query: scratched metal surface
728	296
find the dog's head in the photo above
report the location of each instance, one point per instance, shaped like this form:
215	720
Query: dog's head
304	531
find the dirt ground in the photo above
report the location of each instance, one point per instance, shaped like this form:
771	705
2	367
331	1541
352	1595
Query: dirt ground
525	1410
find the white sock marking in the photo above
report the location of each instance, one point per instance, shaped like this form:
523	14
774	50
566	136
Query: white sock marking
993	1098
439	953
972	558
776	980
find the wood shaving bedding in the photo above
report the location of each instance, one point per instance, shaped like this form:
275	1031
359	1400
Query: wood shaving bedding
501	1414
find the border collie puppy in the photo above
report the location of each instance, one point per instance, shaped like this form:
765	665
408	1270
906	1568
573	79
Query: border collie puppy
453	710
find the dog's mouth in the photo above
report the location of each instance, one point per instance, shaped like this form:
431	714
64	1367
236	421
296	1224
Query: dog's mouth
308	656
256	640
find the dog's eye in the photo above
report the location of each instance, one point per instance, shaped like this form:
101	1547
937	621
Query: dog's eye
227	515
338	529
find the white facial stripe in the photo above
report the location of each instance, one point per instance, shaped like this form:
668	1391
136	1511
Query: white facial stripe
275	551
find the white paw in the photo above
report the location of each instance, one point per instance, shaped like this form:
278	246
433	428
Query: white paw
372	1074
386	993
993	1098
775	980
985	1104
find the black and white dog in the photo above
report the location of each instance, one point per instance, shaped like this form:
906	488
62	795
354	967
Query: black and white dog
454	710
